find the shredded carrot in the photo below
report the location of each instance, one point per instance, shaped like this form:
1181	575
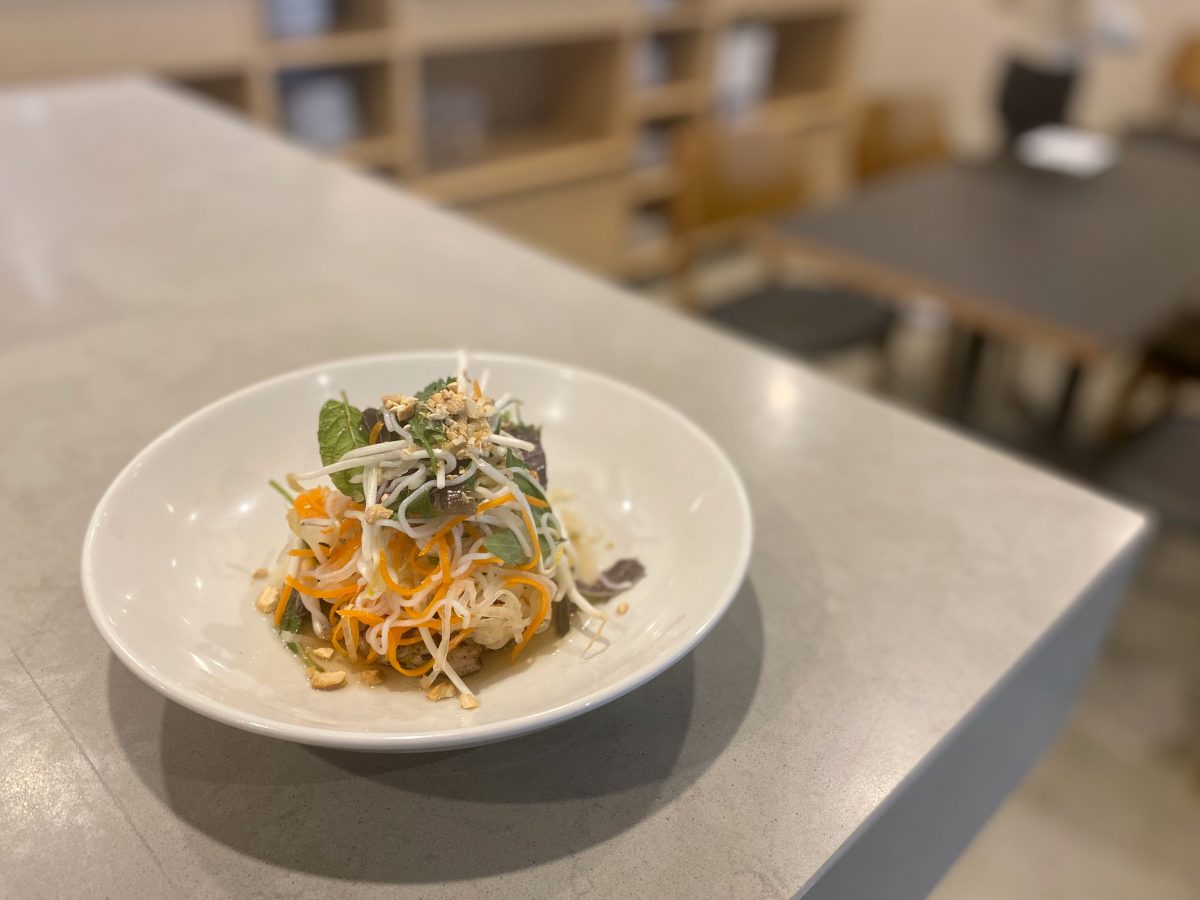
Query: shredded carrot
321	593
543	610
533	538
282	604
304	553
361	615
311	504
393	642
336	643
403	642
458	520
345	551
535	501
375	431
372	656
395	587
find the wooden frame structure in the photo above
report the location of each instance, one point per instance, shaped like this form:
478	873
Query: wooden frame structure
558	162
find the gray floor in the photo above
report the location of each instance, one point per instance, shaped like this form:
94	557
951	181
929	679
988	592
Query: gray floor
1113	808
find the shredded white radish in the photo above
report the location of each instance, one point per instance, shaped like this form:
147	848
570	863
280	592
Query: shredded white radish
377	577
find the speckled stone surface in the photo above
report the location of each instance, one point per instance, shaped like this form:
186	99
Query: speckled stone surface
909	589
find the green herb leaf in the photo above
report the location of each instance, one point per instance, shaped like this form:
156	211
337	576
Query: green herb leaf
427	434
433	387
291	623
339	430
529	487
290	620
422	507
512	461
505	545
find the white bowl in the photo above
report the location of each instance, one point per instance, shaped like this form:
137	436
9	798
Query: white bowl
169	551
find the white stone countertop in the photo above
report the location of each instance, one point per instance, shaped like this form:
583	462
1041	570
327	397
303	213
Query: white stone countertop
918	614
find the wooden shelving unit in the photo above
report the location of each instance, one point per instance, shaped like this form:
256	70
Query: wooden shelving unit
559	121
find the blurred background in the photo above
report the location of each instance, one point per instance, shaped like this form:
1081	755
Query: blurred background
985	210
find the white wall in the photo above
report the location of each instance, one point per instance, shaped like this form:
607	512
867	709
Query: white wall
955	49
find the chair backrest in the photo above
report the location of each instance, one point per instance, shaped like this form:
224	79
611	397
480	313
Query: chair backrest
1033	96
737	172
900	132
1183	76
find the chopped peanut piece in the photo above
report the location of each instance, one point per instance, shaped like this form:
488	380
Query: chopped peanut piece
376	513
468	701
323	653
622	608
260	574
327	681
371	677
268	599
441	691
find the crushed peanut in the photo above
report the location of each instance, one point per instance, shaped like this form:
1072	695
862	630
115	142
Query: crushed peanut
371	677
622	608
268	599
260	574
441	691
401	406
323	653
326	681
377	512
468	701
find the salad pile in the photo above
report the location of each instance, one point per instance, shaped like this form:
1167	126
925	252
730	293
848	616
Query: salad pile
432	541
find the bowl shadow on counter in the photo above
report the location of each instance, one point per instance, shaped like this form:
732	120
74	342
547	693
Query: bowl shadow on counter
434	817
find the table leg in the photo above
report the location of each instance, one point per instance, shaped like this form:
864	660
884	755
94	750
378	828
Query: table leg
967	357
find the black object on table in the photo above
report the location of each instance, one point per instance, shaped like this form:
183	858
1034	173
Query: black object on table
808	320
1034	95
1082	266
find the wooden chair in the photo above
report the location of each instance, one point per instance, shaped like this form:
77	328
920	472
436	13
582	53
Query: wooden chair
1183	80
898	133
1171	358
739	173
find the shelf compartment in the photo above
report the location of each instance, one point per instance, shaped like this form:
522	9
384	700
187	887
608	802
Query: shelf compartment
500	110
594	208
440	25
736	9
653	183
337	107
669	101
302	23
682	15
330	49
522	164
810	54
666	59
370	153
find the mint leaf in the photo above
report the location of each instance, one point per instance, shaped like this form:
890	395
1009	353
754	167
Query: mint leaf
339	430
428	435
529	487
433	387
505	545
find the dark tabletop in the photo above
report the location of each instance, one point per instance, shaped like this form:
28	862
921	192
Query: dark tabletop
1108	258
